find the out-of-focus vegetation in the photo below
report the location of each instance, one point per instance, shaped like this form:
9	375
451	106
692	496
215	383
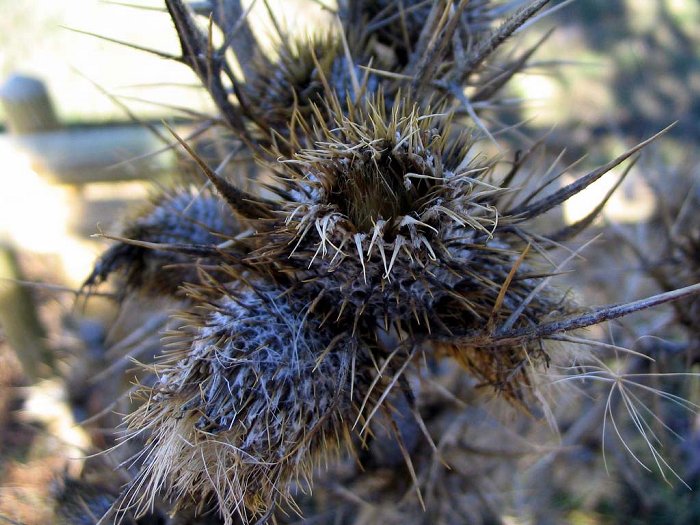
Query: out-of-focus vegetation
37	38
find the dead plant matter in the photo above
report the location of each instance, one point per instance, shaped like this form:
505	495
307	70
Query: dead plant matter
386	245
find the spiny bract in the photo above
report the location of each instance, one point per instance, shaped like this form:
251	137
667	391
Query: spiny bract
250	395
183	222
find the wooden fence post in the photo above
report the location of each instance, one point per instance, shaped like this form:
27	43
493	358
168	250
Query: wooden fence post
28	108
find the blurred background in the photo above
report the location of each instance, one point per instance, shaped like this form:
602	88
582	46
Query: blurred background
612	73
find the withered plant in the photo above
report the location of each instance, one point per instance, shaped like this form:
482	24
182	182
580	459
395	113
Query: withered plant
386	260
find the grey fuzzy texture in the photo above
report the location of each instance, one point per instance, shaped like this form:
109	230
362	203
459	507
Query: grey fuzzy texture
252	396
182	216
409	232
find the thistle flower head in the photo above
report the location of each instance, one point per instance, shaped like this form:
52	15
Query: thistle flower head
304	71
398	24
158	249
250	396
399	227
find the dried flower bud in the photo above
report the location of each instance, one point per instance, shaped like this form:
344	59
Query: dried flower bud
403	230
398	24
160	247
251	396
286	91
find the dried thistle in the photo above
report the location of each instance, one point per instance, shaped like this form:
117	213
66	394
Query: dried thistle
399	24
398	227
158	250
446	48
279	93
251	395
458	47
393	221
385	242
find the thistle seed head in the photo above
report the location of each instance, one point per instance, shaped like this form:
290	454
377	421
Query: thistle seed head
249	398
158	249
404	230
304	73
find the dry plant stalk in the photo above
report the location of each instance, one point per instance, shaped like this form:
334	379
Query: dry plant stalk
385	242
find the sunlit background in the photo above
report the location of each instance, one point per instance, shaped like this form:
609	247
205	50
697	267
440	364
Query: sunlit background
84	75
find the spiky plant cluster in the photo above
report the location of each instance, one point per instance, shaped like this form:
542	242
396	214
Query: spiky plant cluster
162	244
385	245
297	80
399	25
447	49
252	393
399	227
